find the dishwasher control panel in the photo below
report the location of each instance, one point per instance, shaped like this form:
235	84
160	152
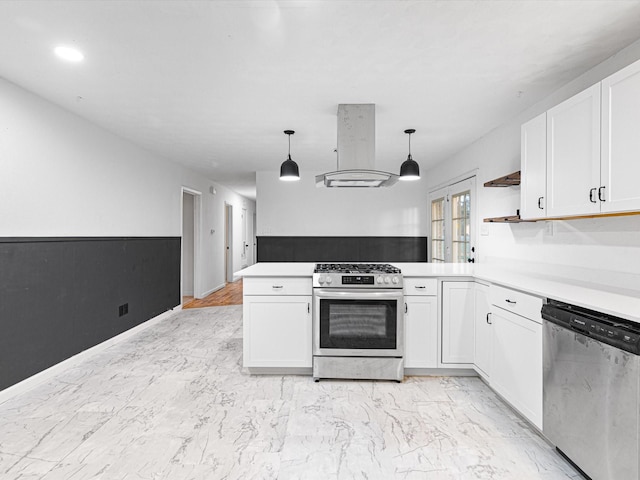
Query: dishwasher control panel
618	332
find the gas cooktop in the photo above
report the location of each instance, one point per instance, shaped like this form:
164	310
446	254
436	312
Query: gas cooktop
356	268
358	275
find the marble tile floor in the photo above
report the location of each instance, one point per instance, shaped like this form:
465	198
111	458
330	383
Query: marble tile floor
174	403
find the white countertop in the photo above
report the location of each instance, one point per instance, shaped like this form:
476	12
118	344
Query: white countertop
600	291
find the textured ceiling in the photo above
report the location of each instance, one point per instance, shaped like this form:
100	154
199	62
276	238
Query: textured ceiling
212	84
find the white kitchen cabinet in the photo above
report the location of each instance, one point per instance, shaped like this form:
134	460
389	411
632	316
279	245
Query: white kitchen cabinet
276	323
620	167
483	340
421	331
277	331
533	168
573	155
457	322
516	368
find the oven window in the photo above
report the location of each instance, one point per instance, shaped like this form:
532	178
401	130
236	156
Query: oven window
358	324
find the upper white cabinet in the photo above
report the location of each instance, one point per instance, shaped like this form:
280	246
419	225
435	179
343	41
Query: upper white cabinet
621	141
573	155
458	309
533	169
590	156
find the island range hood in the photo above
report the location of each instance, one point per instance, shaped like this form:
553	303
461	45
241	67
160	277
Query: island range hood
356	151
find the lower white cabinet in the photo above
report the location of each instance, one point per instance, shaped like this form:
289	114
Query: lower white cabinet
421	332
277	331
483	342
516	369
457	322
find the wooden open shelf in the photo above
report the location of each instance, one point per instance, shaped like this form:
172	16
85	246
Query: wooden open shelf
509	219
507	181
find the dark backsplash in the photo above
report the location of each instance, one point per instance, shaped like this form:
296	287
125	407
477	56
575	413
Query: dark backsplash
342	249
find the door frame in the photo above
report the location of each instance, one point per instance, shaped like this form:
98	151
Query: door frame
228	242
447	188
197	221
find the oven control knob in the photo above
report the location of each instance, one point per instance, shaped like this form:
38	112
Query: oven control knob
328	280
386	279
395	280
321	280
379	280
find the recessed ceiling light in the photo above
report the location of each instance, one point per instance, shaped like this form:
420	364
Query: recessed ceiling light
69	54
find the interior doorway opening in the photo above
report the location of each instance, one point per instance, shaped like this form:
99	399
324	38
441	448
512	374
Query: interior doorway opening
189	244
228	242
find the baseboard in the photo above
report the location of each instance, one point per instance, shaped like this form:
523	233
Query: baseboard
46	375
209	292
440	372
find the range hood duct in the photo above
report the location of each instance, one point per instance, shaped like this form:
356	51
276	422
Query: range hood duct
356	151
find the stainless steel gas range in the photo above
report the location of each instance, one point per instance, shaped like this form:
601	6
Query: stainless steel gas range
358	321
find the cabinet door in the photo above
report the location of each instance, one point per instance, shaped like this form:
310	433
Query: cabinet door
483	331
517	363
620	140
533	168
277	331
573	155
421	332
457	322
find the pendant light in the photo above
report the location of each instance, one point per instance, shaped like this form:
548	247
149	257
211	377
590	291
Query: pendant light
289	169
409	170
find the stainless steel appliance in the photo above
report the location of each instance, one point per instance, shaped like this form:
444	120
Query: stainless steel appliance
591	408
358	321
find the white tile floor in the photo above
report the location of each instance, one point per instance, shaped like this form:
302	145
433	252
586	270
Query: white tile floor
173	403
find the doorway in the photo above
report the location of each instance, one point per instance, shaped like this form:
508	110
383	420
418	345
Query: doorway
189	244
453	236
228	242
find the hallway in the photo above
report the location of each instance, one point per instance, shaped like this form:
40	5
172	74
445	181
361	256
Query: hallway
230	294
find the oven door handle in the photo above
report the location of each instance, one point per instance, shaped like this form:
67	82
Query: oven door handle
363	293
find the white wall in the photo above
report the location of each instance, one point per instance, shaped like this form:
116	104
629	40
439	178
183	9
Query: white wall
63	176
603	243
302	209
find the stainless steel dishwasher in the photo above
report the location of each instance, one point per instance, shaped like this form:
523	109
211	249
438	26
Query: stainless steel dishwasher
591	382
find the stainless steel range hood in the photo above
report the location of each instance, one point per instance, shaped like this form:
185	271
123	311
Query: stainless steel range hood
356	151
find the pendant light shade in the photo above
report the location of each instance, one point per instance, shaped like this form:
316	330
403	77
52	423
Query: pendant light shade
409	170
289	169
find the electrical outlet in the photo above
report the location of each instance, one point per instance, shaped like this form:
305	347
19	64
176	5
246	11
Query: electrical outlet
123	309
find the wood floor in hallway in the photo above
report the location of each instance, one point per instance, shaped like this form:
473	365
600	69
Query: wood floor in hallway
230	294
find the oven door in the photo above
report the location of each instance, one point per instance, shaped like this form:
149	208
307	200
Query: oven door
358	322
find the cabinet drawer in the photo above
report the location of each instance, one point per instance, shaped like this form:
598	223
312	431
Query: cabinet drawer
517	302
420	286
277	286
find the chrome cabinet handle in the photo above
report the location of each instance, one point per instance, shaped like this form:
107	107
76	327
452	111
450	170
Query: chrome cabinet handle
277	286
420	287
513	302
601	194
406	309
488	321
308	308
591	195
540	203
